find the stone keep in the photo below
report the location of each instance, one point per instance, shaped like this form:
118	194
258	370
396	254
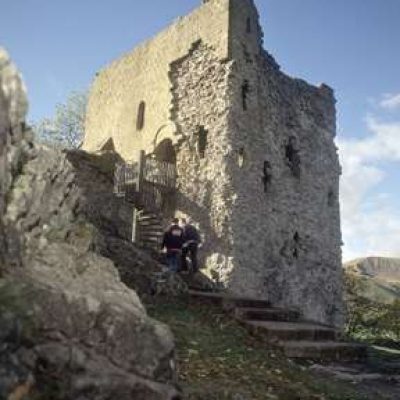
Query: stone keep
257	166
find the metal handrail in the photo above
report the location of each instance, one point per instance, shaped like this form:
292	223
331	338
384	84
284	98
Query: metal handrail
146	180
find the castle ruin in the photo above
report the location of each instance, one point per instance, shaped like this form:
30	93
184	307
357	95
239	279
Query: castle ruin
257	167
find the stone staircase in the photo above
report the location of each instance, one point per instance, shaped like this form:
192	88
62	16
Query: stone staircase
285	329
150	230
146	184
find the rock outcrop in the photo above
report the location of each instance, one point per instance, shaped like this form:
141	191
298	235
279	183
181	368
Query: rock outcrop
69	327
380	277
377	267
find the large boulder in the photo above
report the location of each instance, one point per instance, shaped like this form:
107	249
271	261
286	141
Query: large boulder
69	327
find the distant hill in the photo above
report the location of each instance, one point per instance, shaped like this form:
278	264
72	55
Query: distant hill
381	277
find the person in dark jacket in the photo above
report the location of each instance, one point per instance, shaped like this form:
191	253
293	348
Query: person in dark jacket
191	244
173	241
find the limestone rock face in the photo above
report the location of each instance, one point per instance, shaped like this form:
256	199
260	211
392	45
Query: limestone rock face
13	89
14	147
376	267
379	277
69	327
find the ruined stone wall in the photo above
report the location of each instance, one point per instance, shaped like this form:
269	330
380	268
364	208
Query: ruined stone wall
201	104
285	171
142	75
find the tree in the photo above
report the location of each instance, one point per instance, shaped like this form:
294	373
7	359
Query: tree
66	128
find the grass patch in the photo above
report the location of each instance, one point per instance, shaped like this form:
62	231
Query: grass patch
218	359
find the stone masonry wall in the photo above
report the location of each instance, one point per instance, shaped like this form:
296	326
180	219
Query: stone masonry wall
285	171
142	75
201	102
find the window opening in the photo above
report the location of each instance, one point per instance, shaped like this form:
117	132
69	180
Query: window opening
245	93
293	157
140	116
296	239
267	176
202	141
248	25
241	157
331	198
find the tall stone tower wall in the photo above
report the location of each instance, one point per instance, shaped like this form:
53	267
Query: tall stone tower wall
284	171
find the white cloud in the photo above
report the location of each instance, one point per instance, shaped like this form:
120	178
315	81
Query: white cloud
390	101
370	223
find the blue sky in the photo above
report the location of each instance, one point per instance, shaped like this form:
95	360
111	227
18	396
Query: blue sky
353	45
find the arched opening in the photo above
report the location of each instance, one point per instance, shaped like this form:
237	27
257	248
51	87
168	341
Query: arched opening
140	116
165	152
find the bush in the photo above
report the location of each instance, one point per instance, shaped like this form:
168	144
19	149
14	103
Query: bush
367	319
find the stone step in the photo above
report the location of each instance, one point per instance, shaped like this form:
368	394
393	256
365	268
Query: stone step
290	331
327	350
228	301
250	303
151	235
266	314
148	217
149	246
151	229
207	297
149	238
149	222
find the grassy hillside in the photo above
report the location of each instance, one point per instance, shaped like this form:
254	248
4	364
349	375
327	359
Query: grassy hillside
219	360
373	300
379	278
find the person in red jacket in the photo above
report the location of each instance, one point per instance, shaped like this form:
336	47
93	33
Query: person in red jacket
173	241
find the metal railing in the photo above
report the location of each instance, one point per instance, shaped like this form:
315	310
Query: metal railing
126	176
159	173
144	182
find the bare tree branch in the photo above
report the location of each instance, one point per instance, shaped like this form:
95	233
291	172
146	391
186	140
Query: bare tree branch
66	128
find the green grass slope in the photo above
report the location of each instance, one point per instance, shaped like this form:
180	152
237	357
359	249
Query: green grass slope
219	360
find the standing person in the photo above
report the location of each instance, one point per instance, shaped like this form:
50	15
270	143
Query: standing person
173	241
191	244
